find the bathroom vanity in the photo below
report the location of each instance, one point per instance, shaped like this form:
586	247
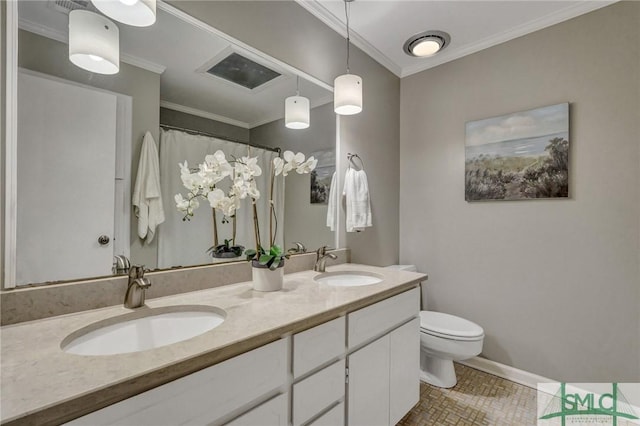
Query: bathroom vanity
309	354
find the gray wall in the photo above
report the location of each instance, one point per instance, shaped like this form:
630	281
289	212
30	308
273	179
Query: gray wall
303	221
192	122
48	56
286	31
3	56
554	283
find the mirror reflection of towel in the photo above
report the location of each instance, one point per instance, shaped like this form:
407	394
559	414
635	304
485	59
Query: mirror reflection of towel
332	207
356	192
147	198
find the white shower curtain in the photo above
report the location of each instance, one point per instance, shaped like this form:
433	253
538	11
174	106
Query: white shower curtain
184	243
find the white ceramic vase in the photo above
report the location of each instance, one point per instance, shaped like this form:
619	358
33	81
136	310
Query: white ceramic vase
264	279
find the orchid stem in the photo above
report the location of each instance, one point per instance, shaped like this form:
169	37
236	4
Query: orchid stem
215	227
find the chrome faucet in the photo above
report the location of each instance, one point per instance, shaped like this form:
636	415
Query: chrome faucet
299	248
321	259
136	289
121	265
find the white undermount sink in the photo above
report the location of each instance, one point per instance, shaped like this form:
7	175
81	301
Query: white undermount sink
348	278
143	329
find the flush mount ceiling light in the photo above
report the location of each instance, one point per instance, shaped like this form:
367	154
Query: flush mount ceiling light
296	110
347	88
94	42
426	44
139	13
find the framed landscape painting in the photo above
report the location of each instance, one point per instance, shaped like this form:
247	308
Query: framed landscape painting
321	176
518	156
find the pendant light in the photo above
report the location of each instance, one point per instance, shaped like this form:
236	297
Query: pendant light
138	13
94	42
296	110
347	88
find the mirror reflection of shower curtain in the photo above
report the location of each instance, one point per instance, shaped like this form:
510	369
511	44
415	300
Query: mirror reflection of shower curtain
184	243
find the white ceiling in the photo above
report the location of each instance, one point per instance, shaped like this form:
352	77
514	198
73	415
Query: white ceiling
178	49
380	27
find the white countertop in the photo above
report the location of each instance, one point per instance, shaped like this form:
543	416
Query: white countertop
41	383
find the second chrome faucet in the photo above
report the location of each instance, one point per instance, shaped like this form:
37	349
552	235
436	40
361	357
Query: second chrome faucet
321	259
138	284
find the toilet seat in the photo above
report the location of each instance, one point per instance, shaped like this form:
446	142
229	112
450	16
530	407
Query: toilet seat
449	326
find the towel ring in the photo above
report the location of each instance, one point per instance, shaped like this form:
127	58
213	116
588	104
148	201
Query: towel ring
350	158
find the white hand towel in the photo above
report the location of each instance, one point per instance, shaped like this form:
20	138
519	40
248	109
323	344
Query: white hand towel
332	207
147	198
356	192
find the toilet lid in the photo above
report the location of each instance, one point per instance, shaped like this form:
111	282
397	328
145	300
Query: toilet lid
448	325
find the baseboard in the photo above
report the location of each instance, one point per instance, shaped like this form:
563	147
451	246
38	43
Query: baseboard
506	372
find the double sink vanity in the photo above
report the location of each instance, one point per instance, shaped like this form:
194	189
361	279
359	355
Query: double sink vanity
340	347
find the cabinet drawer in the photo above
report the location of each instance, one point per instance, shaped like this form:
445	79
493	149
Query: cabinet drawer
202	397
375	320
318	345
271	413
333	417
317	392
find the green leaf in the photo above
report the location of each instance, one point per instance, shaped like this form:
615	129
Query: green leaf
264	259
251	253
276	263
276	250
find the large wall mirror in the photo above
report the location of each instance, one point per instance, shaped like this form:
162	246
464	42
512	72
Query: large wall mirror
193	92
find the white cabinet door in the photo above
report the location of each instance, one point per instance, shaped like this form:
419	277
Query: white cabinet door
203	397
404	370
368	395
272	413
333	417
317	392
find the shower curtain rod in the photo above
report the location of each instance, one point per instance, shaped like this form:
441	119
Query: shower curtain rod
211	135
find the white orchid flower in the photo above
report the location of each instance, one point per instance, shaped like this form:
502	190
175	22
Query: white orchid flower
292	161
218	165
222	203
278	165
182	204
228	206
214	197
253	190
191	181
248	167
308	166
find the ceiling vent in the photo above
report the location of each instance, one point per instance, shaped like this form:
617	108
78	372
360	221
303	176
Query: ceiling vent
242	71
66	6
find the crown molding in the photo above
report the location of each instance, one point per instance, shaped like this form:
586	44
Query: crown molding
203	114
316	9
562	15
577	9
62	37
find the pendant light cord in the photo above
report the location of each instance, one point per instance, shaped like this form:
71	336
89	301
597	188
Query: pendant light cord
347	9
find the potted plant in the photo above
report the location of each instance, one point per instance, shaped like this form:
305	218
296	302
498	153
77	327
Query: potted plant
202	183
267	261
226	250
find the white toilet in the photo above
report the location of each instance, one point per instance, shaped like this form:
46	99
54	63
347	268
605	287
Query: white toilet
444	338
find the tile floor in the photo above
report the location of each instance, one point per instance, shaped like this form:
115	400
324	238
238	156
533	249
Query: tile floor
479	398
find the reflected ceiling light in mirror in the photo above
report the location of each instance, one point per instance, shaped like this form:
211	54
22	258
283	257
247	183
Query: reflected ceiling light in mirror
347	94
138	13
426	44
296	110
94	42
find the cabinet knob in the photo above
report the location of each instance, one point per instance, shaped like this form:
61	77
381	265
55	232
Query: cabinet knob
103	240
